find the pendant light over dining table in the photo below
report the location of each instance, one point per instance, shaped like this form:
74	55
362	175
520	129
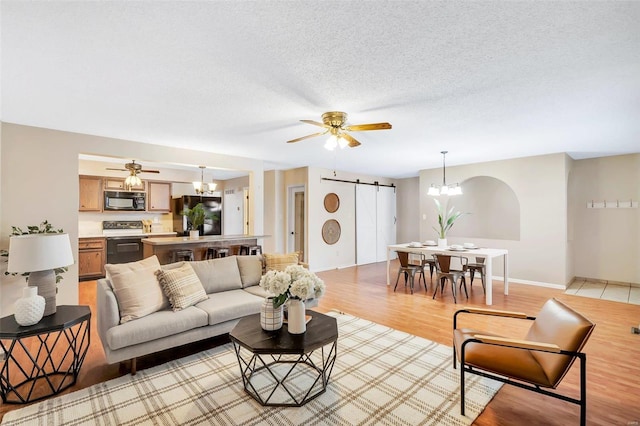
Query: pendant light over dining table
202	187
444	189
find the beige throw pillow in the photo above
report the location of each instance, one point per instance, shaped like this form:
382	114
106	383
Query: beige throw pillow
279	262
182	286
136	288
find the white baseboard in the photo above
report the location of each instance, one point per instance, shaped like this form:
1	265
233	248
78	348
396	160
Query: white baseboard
535	283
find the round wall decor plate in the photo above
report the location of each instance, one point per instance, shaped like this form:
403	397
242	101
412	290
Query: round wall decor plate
331	202
331	231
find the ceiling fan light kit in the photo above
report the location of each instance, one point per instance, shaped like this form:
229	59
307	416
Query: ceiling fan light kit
334	123
444	189
133	168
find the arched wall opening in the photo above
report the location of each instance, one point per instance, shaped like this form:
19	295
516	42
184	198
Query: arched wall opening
493	207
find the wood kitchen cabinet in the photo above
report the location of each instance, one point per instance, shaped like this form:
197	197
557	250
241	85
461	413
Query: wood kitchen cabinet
115	184
91	257
90	194
159	197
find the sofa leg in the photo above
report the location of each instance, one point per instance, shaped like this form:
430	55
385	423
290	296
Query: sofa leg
133	366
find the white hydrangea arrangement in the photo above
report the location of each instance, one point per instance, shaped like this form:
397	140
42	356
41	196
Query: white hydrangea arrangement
295	282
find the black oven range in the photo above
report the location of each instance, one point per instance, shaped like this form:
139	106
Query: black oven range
124	240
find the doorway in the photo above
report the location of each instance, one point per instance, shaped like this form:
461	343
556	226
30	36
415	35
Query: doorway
296	222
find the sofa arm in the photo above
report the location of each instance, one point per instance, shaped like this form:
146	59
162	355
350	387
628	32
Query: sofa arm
108	310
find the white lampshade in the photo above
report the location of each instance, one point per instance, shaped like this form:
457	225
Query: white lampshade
39	252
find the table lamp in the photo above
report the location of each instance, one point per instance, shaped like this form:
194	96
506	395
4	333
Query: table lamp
40	254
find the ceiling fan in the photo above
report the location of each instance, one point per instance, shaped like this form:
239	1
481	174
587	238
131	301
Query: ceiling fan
134	168
335	124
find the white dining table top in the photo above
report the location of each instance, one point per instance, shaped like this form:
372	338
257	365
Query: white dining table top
479	251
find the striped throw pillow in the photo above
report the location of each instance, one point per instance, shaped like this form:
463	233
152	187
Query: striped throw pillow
182	286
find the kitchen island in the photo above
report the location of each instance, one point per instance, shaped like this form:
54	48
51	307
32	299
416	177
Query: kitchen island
165	247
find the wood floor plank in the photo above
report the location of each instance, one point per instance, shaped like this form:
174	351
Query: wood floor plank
613	364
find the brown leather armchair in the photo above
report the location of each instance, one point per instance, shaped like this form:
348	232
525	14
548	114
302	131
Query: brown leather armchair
537	363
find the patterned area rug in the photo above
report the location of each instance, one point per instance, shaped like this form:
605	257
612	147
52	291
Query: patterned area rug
381	377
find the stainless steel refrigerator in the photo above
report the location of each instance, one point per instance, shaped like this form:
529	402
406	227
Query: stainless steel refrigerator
212	206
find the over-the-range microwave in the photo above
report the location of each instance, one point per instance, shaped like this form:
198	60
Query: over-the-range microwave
128	201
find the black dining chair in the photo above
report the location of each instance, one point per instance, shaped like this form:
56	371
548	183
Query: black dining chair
446	273
410	270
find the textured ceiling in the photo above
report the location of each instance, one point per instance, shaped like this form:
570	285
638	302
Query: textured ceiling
484	80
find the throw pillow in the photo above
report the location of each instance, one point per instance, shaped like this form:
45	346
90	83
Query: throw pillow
279	262
250	270
182	286
136	288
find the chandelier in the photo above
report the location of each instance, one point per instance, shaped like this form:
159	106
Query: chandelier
444	189
203	187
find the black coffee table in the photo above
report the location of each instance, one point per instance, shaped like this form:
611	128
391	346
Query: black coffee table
283	369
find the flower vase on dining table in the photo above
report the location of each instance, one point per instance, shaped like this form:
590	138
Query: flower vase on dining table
296	321
442	243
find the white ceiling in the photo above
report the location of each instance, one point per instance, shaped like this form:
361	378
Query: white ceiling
484	80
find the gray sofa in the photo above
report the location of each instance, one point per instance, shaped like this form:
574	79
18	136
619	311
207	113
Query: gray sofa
231	284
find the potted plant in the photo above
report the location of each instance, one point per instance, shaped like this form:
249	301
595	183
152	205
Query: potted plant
196	217
446	219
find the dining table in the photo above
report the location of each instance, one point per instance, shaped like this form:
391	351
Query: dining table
488	253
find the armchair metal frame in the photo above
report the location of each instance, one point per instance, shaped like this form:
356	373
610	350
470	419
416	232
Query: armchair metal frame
524	345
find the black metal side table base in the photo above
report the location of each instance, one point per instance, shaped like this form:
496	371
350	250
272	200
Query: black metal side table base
274	379
44	359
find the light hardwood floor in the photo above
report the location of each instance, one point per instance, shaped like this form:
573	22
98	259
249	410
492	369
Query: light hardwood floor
613	359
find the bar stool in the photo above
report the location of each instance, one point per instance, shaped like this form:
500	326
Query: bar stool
255	250
222	251
211	253
179	255
245	249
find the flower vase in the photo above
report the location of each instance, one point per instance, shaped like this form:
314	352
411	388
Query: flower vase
270	317
442	242
296	321
194	235
29	309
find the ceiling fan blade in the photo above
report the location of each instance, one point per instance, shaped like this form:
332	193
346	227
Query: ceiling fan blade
307	137
352	142
149	171
363	127
315	123
120	170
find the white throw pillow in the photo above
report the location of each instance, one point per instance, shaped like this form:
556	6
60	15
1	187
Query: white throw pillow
182	286
136	288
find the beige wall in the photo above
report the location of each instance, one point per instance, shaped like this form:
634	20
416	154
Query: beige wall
605	242
39	180
540	186
274	212
408	210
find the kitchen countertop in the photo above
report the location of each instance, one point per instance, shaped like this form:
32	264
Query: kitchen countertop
149	234
203	239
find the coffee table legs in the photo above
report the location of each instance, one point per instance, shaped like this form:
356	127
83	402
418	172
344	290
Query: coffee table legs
286	380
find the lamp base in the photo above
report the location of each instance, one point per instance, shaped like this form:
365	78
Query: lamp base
46	283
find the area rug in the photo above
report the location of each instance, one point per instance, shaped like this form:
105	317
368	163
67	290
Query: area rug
381	377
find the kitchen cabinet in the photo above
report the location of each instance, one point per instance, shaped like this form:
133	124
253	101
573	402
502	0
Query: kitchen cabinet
91	257
90	194
115	184
159	197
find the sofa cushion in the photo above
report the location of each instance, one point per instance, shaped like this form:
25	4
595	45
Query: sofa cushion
256	290
136	288
182	286
218	275
250	270
279	262
155	326
230	305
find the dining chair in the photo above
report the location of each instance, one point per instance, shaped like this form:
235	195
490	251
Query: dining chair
444	273
410	270
538	363
480	267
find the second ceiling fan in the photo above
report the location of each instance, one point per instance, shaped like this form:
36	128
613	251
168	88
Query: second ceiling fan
334	123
